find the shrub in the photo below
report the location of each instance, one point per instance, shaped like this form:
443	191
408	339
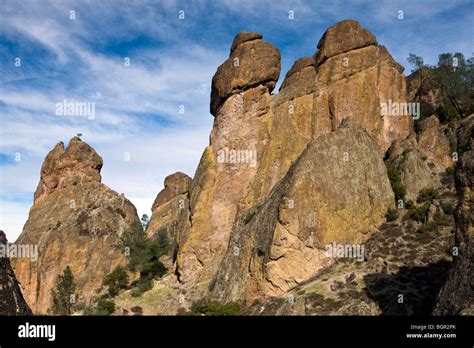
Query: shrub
409	204
105	307
428	227
116	281
142	286
427	195
394	175
214	308
420	213
392	214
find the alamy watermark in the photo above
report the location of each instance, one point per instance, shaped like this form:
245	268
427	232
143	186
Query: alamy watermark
20	251
234	156
351	251
392	108
74	108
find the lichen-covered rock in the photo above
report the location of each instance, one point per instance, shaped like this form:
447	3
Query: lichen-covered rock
230	161
337	191
357	84
434	142
11	298
313	101
169	211
251	63
417	170
169	203
76	221
457	295
421	89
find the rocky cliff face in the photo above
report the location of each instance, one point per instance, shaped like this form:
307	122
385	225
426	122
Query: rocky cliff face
76	221
281	243
11	298
456	297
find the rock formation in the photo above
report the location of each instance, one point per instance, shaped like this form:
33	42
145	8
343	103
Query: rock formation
434	142
168	204
11	298
456	297
170	210
418	172
337	191
349	77
76	221
240	102
285	175
354	78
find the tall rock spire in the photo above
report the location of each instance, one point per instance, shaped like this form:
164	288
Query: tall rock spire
75	221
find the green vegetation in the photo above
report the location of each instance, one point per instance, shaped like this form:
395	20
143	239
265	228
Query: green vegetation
394	175
392	214
103	307
63	294
427	195
420	213
145	221
409	204
116	281
452	76
214	308
144	256
450	170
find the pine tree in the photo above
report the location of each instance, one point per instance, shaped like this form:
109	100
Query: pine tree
63	295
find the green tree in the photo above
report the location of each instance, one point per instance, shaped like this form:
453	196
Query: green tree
145	221
63	295
144	254
415	61
454	77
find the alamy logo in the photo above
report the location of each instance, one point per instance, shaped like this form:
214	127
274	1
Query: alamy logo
20	251
232	156
37	331
355	251
392	108
73	108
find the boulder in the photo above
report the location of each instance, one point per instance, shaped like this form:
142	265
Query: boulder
342	37
251	63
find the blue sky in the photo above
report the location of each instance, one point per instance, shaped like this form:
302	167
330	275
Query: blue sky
172	62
